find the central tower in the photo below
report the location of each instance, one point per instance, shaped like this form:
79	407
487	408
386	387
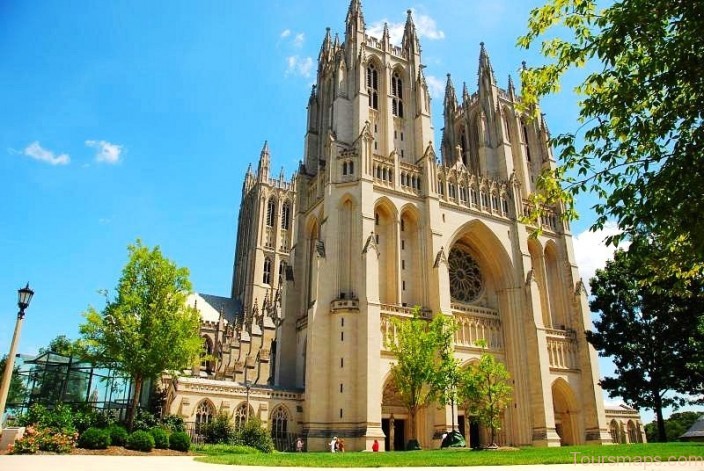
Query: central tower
368	123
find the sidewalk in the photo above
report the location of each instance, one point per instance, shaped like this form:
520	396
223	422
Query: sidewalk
187	463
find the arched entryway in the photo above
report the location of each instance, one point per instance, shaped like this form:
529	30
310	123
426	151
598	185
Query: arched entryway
566	413
394	418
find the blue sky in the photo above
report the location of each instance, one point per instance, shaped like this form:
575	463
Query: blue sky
138	119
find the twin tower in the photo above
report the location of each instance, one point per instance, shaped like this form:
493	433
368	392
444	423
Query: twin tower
375	222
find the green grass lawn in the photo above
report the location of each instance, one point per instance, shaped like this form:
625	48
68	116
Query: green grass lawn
464	457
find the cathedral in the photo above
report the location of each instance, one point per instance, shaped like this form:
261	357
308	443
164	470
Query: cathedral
379	219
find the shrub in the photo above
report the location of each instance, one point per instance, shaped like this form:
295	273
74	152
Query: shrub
180	441
219	430
44	439
173	423
59	418
254	435
94	439
140	441
86	417
161	438
144	420
118	435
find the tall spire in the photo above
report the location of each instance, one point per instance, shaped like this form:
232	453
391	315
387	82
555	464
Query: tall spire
355	18
325	47
410	38
485	65
450	96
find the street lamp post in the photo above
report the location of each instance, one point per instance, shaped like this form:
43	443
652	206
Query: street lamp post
24	297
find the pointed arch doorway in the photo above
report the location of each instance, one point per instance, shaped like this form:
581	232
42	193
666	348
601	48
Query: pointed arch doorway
394	419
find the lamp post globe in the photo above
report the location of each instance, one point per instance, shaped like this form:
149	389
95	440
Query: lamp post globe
24	297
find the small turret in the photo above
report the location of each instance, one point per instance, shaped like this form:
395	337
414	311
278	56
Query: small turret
410	38
450	97
486	72
264	163
511	89
325	48
386	37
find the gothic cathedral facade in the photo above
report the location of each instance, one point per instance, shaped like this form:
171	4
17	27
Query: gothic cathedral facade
374	223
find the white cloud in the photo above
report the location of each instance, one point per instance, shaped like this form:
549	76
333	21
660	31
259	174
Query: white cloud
592	253
292	39
296	65
299	39
436	86
37	152
425	27
106	152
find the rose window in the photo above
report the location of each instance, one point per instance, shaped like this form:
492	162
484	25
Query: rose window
466	282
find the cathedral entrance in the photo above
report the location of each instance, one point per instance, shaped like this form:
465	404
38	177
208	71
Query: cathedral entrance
394	417
566	413
474	433
395	431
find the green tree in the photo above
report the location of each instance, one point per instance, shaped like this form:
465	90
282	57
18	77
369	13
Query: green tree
649	329
147	329
419	370
18	391
486	391
677	424
639	145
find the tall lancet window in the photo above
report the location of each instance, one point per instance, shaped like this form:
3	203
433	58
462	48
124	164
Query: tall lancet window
373	86
396	95
285	215
270	212
267	271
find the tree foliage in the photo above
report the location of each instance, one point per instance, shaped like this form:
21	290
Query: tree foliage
650	331
639	146
419	372
486	391
18	391
677	424
147	328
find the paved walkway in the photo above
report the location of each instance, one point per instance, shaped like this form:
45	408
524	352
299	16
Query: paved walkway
179	463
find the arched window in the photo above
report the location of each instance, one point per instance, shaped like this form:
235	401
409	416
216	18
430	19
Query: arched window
279	422
373	86
396	95
207	363
266	279
494	202
270	212
286	216
241	415
204	414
